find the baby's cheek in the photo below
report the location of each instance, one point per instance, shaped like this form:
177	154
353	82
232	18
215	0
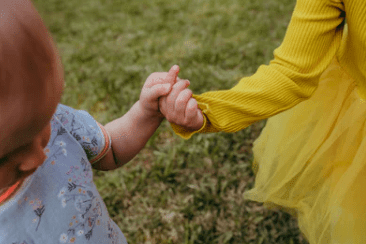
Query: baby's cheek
46	135
9	175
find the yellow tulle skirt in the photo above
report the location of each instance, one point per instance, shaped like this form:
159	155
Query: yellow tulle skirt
310	161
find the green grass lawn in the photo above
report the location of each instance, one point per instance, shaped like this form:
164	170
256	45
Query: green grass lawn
174	191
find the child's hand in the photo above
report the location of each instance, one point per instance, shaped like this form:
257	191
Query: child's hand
156	85
180	108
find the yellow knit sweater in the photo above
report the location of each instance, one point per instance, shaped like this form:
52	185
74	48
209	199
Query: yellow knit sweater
316	34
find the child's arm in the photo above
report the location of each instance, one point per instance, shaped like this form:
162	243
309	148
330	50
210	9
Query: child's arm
131	132
312	39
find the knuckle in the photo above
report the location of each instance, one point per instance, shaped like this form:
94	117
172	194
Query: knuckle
180	104
184	95
179	101
181	83
190	110
192	103
177	85
191	113
158	79
189	92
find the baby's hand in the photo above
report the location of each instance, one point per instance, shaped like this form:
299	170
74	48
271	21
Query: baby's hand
180	108
156	85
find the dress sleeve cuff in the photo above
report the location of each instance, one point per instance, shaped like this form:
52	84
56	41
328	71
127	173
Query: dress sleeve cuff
107	144
186	134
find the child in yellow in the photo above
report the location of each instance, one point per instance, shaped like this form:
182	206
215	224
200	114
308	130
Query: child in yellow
310	158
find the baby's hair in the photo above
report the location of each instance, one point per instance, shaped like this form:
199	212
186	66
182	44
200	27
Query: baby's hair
27	53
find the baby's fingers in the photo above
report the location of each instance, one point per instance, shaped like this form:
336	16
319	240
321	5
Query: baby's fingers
172	75
157	91
159	78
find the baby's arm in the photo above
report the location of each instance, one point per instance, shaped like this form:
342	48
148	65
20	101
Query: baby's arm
131	132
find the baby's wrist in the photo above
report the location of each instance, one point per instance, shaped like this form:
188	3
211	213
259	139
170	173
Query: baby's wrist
148	114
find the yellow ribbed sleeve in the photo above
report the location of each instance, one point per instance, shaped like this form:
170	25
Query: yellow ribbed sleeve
311	42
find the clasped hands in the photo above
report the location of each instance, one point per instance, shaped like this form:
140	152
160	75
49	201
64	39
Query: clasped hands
164	94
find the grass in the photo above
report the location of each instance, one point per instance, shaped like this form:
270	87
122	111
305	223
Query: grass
174	191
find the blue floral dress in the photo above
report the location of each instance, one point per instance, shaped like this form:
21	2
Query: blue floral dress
59	203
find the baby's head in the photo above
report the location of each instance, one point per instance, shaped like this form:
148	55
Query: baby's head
31	83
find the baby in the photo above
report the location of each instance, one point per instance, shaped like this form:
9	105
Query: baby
48	150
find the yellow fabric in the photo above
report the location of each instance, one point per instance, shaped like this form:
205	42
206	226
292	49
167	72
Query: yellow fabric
311	162
314	36
310	158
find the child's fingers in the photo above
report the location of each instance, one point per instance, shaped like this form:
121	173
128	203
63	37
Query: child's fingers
191	111
172	74
181	102
199	120
194	115
177	88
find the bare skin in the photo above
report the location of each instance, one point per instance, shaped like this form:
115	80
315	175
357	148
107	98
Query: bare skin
27	105
22	143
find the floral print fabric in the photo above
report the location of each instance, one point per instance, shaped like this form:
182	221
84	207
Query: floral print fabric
59	203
